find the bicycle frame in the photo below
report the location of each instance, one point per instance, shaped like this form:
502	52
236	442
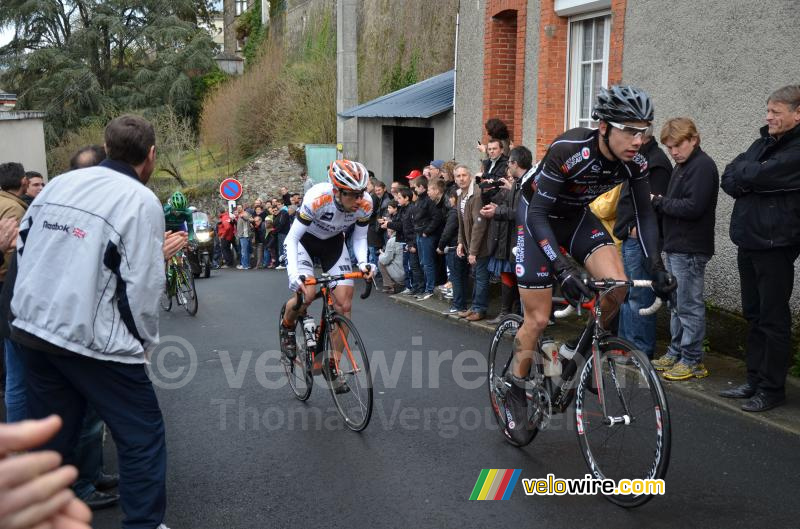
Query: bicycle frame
594	326
327	316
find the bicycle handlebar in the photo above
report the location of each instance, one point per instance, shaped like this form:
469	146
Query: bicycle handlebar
599	285
324	280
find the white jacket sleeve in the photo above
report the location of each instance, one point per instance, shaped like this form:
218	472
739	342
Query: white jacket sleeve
292	240
360	242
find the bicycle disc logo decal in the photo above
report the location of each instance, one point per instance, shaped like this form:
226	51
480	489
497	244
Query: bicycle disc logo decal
495	484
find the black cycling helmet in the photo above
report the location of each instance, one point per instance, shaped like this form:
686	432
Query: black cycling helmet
622	103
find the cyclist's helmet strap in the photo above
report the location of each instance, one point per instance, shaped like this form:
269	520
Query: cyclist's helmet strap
178	201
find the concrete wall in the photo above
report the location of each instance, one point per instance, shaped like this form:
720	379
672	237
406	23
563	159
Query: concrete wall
531	76
714	61
469	82
442	136
299	15
22	140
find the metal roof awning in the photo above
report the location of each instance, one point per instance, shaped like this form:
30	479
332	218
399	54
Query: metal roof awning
422	100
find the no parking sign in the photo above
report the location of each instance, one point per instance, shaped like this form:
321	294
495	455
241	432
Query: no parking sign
230	189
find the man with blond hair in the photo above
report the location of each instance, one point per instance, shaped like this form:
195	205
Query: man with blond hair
688	209
765	183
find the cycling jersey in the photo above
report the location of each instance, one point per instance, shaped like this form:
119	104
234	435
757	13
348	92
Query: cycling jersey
320	219
571	175
178	220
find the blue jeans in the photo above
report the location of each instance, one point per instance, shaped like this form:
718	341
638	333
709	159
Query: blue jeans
637	329
244	252
372	258
480	296
123	397
89	453
459	276
417	277
449	259
427	257
687	322
282	248
16	407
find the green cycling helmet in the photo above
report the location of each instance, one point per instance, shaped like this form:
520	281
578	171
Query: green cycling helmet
178	200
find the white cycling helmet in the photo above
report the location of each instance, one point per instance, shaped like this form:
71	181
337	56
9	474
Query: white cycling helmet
347	175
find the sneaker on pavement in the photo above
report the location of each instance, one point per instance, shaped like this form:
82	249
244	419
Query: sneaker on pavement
685	371
665	362
288	342
100	500
239	267
424	296
407	292
497	319
452	310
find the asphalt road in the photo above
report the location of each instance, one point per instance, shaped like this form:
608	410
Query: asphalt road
244	453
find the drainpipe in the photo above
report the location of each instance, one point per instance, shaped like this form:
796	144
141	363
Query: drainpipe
455	80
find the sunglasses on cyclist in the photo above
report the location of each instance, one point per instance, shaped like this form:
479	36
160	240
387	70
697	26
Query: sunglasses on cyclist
636	132
354	194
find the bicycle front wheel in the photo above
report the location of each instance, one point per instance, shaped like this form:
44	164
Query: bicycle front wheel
631	438
349	376
187	294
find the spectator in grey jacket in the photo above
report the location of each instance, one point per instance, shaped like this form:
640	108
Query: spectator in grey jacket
390	262
84	339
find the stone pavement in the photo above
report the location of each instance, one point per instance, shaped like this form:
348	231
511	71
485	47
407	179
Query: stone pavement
724	371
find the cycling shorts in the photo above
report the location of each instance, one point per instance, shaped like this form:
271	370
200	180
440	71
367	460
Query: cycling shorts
331	253
580	235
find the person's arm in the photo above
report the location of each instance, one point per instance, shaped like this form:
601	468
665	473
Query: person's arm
435	219
729	182
702	192
548	187
506	208
479	226
360	241
139	269
292	240
645	216
778	173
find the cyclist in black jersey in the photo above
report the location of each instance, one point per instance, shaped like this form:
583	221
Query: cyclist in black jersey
553	213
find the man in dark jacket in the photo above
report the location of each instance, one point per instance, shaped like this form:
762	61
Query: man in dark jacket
502	230
495	166
375	234
427	221
688	210
765	183
641	330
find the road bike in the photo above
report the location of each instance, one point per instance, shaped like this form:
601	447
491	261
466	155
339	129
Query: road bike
180	285
332	347
621	412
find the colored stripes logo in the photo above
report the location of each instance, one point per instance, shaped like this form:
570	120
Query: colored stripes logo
495	484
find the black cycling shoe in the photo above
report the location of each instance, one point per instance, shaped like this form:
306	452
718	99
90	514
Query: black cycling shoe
517	412
337	383
288	342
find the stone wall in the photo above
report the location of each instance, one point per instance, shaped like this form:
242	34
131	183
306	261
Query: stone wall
265	175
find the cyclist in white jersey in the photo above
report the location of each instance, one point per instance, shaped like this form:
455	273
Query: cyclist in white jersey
327	211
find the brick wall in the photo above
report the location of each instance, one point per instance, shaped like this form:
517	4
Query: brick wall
553	54
504	63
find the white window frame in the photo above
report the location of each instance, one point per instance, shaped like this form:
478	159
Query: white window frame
574	71
240	6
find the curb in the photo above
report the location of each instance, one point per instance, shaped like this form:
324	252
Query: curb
728	371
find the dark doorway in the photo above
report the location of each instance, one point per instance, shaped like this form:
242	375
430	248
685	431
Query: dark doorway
413	149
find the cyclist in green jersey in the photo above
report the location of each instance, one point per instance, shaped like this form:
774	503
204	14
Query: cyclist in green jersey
177	216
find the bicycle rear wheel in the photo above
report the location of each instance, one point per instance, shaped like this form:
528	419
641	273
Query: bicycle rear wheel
352	369
638	445
501	352
187	294
298	371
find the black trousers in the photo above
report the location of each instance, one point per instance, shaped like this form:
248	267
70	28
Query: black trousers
123	397
767	278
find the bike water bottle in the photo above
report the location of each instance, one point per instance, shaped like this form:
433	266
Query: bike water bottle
309	329
552	364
